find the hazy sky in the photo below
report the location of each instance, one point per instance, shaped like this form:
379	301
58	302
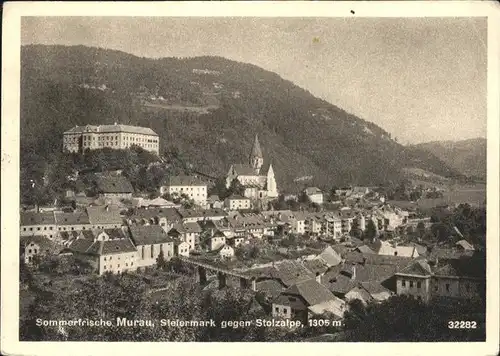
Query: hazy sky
421	79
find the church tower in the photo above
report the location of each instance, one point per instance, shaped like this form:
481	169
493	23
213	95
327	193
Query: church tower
272	189
256	157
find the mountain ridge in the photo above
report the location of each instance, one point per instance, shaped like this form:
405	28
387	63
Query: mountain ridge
208	109
467	156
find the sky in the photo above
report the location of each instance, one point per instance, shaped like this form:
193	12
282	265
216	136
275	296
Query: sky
421	79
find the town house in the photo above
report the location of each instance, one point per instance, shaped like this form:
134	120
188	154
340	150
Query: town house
104	217
188	232
108	251
76	221
193	187
114	187
34	223
149	241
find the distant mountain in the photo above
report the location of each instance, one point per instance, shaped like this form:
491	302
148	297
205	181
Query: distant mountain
207	110
466	156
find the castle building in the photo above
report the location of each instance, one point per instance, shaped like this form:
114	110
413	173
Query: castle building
116	136
259	183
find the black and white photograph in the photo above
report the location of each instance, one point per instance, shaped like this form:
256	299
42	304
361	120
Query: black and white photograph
229	177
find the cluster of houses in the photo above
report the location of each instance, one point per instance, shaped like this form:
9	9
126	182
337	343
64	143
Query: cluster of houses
327	282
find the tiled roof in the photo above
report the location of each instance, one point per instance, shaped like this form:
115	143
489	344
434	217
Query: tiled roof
374	287
419	268
201	213
185	180
213	198
111	247
189	227
315	266
76	218
367	272
116	184
112	128
148	235
99	215
171	214
237	197
364	249
33	218
270	287
330	256
312	292
40	240
291	272
81	245
244	169
69	235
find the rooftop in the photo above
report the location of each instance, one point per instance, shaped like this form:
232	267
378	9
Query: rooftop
116	184
111	128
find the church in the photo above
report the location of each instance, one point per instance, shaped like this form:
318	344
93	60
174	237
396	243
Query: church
259	183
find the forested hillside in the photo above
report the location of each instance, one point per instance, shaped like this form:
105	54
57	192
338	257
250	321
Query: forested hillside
207	110
466	156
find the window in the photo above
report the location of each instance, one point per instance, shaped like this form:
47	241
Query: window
34	251
131	263
447	287
277	310
403	283
38	228
419	284
31	229
411	284
50	228
118	266
45	227
104	258
24	229
29	251
152	251
104	266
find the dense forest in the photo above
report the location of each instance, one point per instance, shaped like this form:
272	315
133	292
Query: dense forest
302	135
466	156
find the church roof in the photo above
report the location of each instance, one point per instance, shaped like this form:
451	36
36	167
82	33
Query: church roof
242	169
256	151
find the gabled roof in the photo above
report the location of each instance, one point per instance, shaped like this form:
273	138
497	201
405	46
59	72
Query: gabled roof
270	287
311	291
419	268
189	227
315	266
292	272
81	245
364	249
330	257
374	287
185	180
111	247
76	218
33	218
104	215
40	240
243	169
237	197
115	184
148	235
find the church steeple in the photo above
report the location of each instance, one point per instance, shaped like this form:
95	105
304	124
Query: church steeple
256	157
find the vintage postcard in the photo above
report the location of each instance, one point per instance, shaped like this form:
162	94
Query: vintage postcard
238	177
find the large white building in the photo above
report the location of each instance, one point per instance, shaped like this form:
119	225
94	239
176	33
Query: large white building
116	136
191	186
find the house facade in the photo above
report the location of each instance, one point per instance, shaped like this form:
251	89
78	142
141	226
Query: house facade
150	240
191	186
235	202
33	223
114	187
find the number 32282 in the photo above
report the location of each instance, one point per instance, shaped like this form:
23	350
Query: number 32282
462	325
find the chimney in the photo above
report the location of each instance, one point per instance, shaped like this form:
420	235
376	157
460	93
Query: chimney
318	277
353	276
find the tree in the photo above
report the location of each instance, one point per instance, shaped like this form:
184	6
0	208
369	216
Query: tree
371	230
420	229
161	263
